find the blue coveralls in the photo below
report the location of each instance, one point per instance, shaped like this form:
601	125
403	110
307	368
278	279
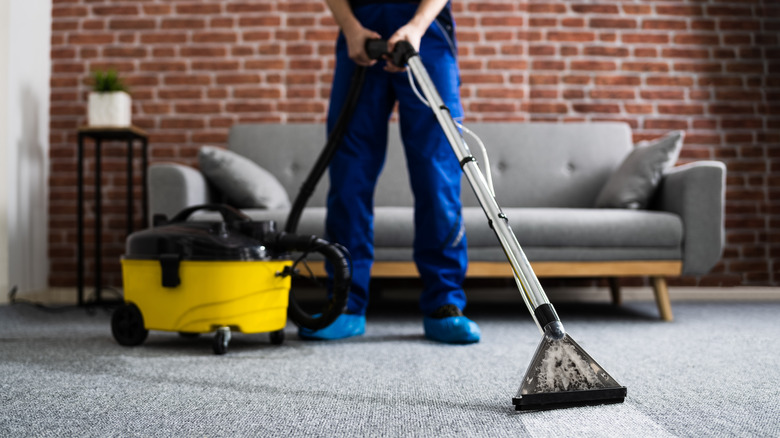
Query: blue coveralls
435	175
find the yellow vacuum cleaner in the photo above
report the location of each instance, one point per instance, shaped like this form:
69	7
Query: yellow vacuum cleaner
197	277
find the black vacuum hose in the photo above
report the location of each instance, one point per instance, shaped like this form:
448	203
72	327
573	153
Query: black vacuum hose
342	277
336	255
326	156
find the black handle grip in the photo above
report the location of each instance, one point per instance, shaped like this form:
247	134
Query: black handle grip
402	51
375	48
229	214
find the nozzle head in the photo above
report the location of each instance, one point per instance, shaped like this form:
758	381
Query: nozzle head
555	331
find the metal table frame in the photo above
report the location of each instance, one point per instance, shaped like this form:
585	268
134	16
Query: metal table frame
99	134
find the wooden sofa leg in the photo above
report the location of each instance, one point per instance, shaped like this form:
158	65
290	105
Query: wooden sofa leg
662	298
614	290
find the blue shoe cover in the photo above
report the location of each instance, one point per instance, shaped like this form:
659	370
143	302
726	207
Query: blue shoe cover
345	326
451	330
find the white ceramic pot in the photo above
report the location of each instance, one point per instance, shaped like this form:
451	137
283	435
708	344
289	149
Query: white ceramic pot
112	109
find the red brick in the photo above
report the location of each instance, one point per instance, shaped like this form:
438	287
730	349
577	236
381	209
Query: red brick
546	108
260	20
74	11
490	7
596	108
97	38
595	9
214	37
680	109
163	66
664	25
644	38
548	65
613	94
662	94
693	11
571	36
128	24
606	51
215	65
163	38
124	52
111	11
233	79
696	39
248	7
199	8
618	80
543	22
546	8
686	53
157	9
183	23
593	65
613	23
188	79
645	66
512	21
203	51
543	94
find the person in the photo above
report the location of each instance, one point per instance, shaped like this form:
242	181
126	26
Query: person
435	175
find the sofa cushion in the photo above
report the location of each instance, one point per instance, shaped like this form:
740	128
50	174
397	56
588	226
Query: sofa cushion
634	182
242	181
544	233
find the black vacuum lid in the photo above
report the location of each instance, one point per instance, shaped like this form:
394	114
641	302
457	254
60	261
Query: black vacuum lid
195	240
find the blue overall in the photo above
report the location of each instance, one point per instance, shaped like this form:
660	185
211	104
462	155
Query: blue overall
434	171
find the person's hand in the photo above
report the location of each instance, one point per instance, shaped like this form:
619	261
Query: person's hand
356	45
411	33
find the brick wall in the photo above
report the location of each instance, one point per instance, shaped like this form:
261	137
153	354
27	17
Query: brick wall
198	67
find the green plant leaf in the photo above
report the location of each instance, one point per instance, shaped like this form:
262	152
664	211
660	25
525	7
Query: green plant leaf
108	81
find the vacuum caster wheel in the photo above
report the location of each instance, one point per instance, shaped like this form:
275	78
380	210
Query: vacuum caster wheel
127	325
277	337
221	340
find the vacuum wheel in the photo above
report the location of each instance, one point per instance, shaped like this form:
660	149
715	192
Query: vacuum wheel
127	326
277	337
221	340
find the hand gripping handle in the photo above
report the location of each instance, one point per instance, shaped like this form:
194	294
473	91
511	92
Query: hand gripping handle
403	50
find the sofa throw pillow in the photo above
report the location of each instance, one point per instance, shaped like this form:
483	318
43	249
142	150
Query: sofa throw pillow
241	180
634	182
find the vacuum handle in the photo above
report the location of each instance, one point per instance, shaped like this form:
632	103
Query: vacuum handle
376	48
229	214
402	51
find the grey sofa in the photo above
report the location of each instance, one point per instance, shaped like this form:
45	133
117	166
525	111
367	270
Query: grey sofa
547	178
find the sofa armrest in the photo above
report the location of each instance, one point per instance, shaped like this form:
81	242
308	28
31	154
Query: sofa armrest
696	192
174	187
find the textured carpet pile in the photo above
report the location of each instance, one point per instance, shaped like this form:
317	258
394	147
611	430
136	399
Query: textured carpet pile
715	371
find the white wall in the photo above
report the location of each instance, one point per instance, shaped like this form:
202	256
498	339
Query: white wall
25	71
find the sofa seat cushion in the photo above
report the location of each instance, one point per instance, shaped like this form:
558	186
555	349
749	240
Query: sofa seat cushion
554	234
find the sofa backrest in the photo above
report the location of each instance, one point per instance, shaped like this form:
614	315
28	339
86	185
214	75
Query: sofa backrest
533	164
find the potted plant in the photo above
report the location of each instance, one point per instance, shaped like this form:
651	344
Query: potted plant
109	102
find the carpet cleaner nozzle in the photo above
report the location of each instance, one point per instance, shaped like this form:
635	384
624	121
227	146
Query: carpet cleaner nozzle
563	375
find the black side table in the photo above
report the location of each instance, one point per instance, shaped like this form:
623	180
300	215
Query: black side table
98	134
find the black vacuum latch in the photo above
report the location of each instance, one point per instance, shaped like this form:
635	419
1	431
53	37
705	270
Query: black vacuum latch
170	270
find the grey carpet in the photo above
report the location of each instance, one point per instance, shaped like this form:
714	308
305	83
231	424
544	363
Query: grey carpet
712	372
